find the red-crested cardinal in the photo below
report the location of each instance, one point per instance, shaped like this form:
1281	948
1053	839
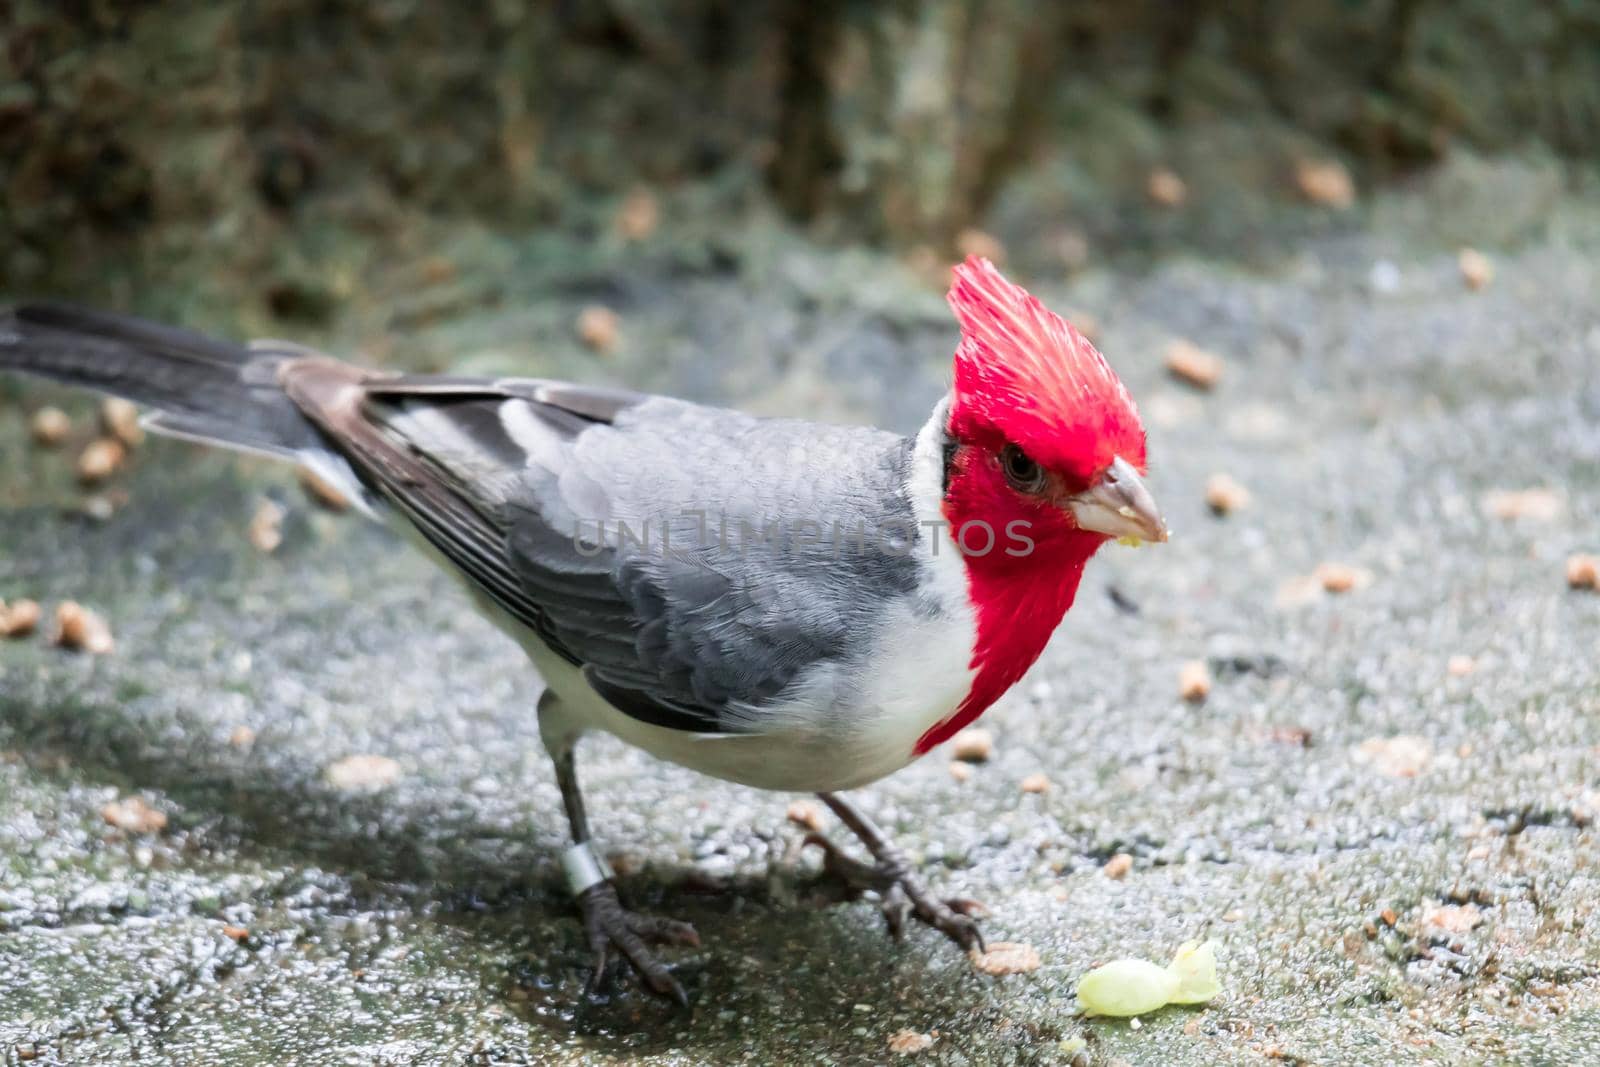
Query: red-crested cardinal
775	602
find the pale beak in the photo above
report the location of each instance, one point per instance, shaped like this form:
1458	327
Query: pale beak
1119	505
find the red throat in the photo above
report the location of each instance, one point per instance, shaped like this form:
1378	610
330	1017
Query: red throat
1024	379
1017	600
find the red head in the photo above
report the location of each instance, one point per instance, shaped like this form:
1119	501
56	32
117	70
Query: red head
1045	465
1025	375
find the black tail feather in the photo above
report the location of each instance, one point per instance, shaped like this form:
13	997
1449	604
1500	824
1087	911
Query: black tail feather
206	389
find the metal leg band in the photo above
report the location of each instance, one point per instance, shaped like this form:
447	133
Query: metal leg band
584	868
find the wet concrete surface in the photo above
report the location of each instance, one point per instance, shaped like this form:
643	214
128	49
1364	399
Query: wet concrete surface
1423	900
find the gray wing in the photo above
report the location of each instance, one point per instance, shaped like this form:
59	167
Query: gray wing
694	562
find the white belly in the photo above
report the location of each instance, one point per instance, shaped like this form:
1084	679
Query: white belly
814	741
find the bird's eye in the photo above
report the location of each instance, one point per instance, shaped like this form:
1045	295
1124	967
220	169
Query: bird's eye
1022	472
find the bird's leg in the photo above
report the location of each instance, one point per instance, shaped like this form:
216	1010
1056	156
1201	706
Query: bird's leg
891	876
606	923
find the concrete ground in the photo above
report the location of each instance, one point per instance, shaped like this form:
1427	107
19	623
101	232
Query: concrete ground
1382	813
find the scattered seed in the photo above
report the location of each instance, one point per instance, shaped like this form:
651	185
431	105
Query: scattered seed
1337	577
100	460
960	771
1165	188
81	629
19	619
909	1042
266	527
1401	756
975	242
362	773
51	427
1193	365
1118	866
1461	666
119	419
1006	957
1583	572
322	491
1537	505
1477	269
101	507
133	815
1451	918
598	327
236	933
805	814
1035	783
973	746
1194	681
1388	916
1325	182
638	216
1290	735
1224	495
436	270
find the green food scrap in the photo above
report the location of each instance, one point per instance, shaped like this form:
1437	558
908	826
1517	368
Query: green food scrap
1128	987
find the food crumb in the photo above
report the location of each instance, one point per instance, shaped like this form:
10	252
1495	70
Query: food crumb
119	418
638	216
1583	572
266	527
1165	188
134	816
242	737
359	773
960	771
80	629
1224	495
1401	756
1035	783
976	242
1337	577
1194	681
973	746
1451	918
1537	505
51	427
909	1042
1193	365
100	460
236	933
1325	182
805	814
1477	269
19	619
1006	957
1118	866
598	327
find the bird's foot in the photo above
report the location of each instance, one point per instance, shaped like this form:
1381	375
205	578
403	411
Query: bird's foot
609	926
903	893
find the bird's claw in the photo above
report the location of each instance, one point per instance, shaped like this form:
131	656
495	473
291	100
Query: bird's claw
904	894
608	925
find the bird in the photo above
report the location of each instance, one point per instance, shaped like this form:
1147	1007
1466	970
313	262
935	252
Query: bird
776	602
